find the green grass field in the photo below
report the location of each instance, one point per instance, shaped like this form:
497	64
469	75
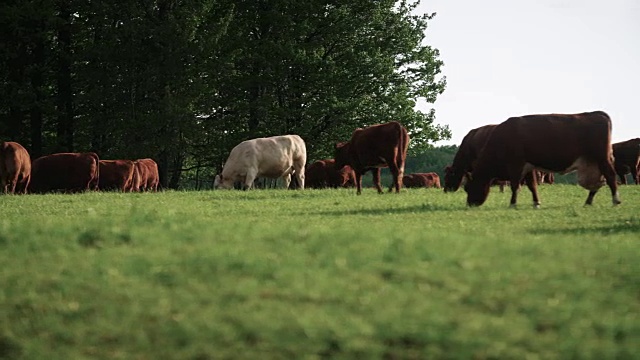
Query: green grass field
276	274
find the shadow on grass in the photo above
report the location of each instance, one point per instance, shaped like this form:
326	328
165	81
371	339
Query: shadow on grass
386	210
625	227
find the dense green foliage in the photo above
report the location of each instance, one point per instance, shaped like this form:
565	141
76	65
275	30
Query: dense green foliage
319	274
183	81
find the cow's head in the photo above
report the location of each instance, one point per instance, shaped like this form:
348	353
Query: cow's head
220	182
453	178
477	191
341	154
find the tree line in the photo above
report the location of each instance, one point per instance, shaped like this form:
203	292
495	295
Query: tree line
183	81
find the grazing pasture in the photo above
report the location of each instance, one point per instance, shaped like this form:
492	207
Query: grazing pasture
319	274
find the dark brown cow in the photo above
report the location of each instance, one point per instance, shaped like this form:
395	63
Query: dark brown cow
149	175
372	148
579	142
116	175
322	173
466	157
69	172
421	180
15	168
626	156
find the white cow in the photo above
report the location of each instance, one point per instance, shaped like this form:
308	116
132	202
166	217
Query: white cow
271	157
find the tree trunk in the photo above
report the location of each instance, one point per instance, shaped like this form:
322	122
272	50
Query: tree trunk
35	112
65	126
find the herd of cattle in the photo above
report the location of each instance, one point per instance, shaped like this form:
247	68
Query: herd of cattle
521	150
72	172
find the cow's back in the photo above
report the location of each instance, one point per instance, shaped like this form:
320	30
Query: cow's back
566	138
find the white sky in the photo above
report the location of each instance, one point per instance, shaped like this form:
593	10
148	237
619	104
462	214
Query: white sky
507	58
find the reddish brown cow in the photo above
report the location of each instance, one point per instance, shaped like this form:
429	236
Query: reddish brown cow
149	175
69	172
15	168
466	157
116	175
421	180
579	142
323	173
626	156
372	148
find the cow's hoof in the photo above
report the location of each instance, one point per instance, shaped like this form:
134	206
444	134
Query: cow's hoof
536	205
513	206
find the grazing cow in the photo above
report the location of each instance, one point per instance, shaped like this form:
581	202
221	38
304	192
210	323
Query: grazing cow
148	175
116	175
421	180
270	157
626	156
579	142
323	173
372	148
15	168
466	157
69	172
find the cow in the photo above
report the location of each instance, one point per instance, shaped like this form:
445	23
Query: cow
116	175
573	142
269	157
148	176
323	173
626	156
68	172
466	156
421	180
372	148
15	168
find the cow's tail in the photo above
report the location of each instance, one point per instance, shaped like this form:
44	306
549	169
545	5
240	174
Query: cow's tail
402	148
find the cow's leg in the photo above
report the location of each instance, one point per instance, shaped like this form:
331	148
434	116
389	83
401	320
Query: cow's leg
623	178
397	175
606	168
13	185
376	180
589	201
300	176
358	182
532	184
249	178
